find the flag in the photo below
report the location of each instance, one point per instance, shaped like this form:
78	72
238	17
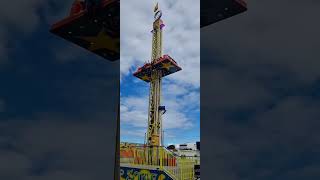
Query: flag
156	7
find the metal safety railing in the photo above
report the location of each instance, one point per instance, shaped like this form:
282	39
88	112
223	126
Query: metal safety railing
180	168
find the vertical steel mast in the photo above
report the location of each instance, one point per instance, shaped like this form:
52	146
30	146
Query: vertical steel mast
153	72
154	126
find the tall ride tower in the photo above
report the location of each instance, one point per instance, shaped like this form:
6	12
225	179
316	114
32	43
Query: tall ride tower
152	72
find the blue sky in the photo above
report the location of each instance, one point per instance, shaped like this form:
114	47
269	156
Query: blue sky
260	89
181	91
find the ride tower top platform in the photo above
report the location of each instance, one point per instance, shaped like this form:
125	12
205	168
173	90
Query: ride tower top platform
165	64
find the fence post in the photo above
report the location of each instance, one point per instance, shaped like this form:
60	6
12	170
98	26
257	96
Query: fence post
161	158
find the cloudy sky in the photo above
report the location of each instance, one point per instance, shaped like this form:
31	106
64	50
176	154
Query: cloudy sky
57	101
181	91
260	93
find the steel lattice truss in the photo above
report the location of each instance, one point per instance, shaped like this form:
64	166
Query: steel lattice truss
153	72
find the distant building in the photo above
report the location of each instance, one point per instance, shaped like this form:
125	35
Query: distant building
188	146
188	150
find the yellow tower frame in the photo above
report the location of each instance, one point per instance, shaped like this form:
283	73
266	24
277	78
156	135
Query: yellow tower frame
154	132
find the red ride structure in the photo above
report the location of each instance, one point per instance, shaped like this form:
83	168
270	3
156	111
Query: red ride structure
213	11
98	33
165	64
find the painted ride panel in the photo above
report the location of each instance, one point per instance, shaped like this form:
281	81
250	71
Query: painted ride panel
131	173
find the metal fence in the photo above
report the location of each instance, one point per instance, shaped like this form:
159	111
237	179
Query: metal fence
179	168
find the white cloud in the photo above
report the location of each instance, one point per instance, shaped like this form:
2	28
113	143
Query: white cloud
174	89
134	112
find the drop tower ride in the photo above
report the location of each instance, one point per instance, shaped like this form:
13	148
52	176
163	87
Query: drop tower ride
152	72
